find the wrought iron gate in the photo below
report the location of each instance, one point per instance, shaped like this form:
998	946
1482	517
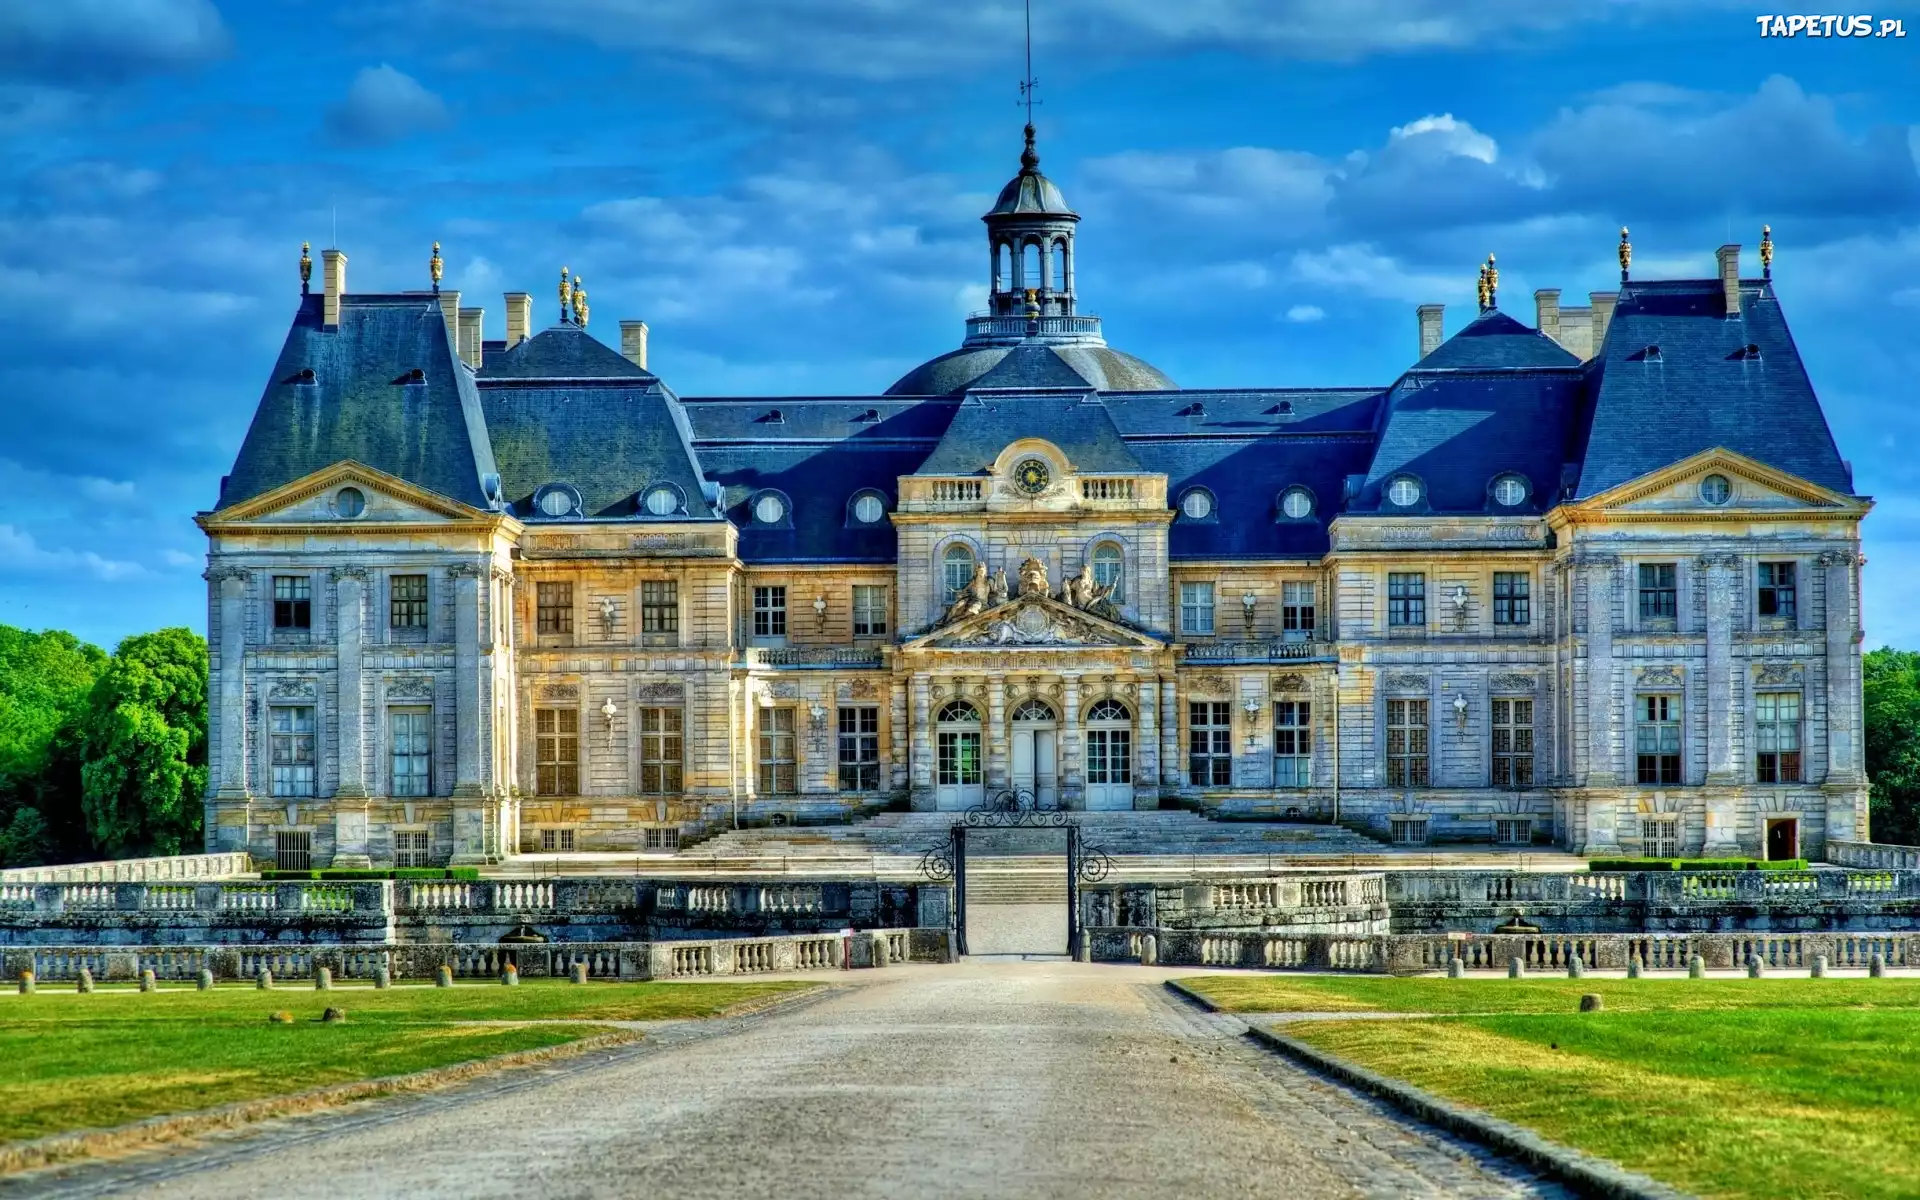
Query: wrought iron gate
1015	808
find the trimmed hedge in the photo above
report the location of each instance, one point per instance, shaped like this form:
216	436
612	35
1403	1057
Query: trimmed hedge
462	873
1696	864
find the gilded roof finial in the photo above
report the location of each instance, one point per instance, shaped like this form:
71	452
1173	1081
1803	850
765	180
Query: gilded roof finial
1626	254
566	296
434	266
1493	284
1480	289
1766	252
580	301
306	266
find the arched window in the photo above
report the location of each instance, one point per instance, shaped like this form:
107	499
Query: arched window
1003	268
1060	265
1032	709
1030	265
1106	568
1108	709
956	569
959	712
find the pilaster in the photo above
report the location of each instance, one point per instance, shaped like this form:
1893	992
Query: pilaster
474	833
1721	572
229	791
350	815
1146	787
921	765
997	747
1169	734
1602	762
1072	777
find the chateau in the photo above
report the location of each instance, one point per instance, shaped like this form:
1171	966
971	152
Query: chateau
1591	582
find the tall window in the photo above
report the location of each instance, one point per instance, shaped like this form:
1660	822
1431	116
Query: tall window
1659	594
779	775
660	750
1407	743
956	569
1292	744
290	732
860	749
659	612
1210	743
556	734
1512	743
770	612
869	610
1656	739
1776	718
1778	599
553	608
1406	598
1296	611
292	603
1106	568
407	607
1512	598
410	733
1196	608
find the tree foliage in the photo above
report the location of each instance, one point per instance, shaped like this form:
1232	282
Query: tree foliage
1891	682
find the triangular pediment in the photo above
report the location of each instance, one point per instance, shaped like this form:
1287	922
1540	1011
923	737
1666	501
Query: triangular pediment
1754	488
315	499
1034	622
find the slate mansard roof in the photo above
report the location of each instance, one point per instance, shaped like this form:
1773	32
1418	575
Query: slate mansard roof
1676	375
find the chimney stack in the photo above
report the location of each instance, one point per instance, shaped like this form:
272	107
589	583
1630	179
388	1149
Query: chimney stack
450	311
633	342
333	274
519	318
1546	311
1729	257
1602	303
1430	329
470	325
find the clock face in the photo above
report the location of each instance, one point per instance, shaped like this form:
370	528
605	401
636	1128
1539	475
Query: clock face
1031	476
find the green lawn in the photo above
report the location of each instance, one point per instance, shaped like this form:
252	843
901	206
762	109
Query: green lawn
1723	1087
69	1061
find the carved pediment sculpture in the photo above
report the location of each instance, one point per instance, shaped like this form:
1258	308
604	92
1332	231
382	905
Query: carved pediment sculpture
1033	577
997	588
973	597
1084	592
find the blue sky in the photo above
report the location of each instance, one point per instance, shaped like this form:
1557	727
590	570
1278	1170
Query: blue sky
788	191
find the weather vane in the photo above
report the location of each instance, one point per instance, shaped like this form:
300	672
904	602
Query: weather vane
1029	85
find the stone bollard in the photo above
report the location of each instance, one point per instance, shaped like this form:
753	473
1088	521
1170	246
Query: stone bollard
382	979
1696	967
1819	967
579	973
84	984
1456	967
1877	967
322	979
1085	953
1634	967
26	983
1516	968
204	980
147	983
879	950
510	977
1149	950
443	977
1575	968
263	980
1755	968
1592	1002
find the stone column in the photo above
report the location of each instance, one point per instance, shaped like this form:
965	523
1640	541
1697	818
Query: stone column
1603	768
1844	785
996	731
350	797
230	790
1169	734
920	765
1072	778
1721	573
472	837
897	734
1146	780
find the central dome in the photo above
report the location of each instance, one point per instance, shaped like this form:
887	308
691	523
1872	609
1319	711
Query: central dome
1032	365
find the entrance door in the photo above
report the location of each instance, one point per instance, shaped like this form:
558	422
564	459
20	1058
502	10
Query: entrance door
1109	756
1036	768
1783	839
957	777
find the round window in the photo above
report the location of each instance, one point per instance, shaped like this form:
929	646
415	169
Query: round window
349	502
556	502
1297	504
868	508
661	502
1715	489
1404	491
1197	504
1510	490
769	510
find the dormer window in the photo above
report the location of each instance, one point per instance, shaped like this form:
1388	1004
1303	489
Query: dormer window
1197	504
770	508
868	507
556	500
1404	491
1296	504
661	500
1510	491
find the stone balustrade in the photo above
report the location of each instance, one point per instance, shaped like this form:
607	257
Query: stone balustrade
1257	650
1873	856
137	870
814	656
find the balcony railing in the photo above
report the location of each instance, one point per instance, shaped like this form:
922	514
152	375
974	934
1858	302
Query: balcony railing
814	656
1258	650
987	328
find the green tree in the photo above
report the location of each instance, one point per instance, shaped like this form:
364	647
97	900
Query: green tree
144	739
46	680
1891	682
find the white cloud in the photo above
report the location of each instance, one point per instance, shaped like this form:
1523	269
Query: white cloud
1306	313
1448	136
19	551
1362	269
384	105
